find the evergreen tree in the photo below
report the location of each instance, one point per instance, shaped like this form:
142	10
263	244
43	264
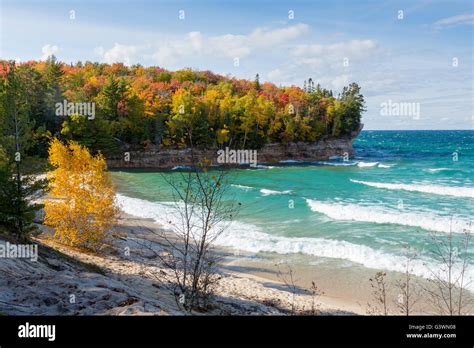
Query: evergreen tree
310	85
53	73
112	94
353	105
257	82
16	190
95	134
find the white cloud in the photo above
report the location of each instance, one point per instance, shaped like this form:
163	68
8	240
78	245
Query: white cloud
264	37
466	18
49	50
340	81
317	53
118	54
275	74
228	45
325	63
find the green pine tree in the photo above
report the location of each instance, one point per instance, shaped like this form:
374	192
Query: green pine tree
17	210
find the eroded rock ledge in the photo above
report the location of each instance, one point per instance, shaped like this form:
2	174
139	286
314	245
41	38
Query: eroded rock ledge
155	157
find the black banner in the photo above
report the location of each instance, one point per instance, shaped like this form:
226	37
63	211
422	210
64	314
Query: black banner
207	330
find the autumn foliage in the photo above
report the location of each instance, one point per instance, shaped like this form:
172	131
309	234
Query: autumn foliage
81	206
137	106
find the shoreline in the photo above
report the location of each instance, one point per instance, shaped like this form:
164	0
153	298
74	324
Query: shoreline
343	286
247	270
113	284
157	157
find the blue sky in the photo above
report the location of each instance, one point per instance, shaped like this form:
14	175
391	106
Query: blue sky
401	60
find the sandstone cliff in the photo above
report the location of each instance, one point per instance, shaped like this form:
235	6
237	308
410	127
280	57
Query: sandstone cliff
155	157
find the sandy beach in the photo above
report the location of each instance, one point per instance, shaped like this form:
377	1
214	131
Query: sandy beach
68	281
111	283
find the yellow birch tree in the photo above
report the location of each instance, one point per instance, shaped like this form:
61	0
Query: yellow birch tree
81	206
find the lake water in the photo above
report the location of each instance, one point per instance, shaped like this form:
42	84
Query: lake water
401	188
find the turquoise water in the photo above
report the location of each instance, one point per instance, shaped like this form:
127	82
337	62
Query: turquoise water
401	187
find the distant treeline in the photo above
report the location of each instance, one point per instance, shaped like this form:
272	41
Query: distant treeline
140	106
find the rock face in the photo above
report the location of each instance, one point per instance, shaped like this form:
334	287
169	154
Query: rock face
155	157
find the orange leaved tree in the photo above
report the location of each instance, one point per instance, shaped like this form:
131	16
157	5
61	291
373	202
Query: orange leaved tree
81	206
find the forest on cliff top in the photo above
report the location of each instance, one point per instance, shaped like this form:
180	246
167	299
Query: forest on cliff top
108	106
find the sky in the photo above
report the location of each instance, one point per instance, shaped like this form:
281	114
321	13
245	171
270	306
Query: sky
413	59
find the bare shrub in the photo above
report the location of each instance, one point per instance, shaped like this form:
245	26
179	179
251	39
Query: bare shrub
199	217
315	293
287	277
408	290
448	286
379	293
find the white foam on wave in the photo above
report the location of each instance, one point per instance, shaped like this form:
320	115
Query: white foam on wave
243	187
337	164
433	189
262	166
145	209
267	192
248	237
435	170
367	164
359	164
384	166
379	215
181	168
